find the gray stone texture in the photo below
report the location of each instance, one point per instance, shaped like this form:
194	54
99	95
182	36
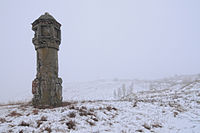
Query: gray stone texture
47	86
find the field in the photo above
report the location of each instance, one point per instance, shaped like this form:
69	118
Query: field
170	105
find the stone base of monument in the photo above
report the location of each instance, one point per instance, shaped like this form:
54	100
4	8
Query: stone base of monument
47	93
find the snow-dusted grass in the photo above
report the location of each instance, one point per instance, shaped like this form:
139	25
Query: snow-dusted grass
164	106
101	116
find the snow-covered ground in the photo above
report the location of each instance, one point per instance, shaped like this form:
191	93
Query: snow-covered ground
169	105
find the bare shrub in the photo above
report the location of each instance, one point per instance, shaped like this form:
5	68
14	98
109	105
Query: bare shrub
39	123
11	125
35	112
83	112
14	113
135	103
109	108
83	101
175	114
91	123
114	108
100	108
43	118
72	107
48	129
139	130
24	124
71	124
156	125
2	120
83	107
23	108
94	119
11	131
62	110
163	111
71	115
146	126
122	92
91	110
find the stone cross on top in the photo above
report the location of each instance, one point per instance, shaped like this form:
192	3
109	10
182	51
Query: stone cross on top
47	86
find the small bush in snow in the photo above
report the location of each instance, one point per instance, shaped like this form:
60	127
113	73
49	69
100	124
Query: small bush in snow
43	118
35	111
14	113
71	124
135	103
72	107
39	123
146	126
24	124
91	123
71	115
109	108
48	129
156	125
84	108
95	119
2	120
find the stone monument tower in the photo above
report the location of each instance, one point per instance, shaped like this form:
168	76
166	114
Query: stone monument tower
47	86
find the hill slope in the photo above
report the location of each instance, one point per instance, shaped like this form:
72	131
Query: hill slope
161	106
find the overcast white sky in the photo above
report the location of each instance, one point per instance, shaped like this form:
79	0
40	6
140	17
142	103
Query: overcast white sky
102	39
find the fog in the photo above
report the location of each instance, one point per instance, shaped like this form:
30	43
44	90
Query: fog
102	39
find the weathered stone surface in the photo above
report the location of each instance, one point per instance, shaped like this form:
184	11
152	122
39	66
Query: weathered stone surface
47	86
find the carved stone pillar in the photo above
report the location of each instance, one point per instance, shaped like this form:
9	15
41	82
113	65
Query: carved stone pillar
47	86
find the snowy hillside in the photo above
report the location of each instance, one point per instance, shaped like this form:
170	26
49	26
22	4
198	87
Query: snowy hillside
170	105
101	89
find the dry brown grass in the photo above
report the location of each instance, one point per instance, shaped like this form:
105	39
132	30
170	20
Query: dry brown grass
109	108
156	125
43	118
48	129
95	119
14	113
146	126
90	123
2	120
84	108
72	107
24	124
139	130
39	123
175	114
71	125
85	113
16	103
72	115
68	103
35	112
